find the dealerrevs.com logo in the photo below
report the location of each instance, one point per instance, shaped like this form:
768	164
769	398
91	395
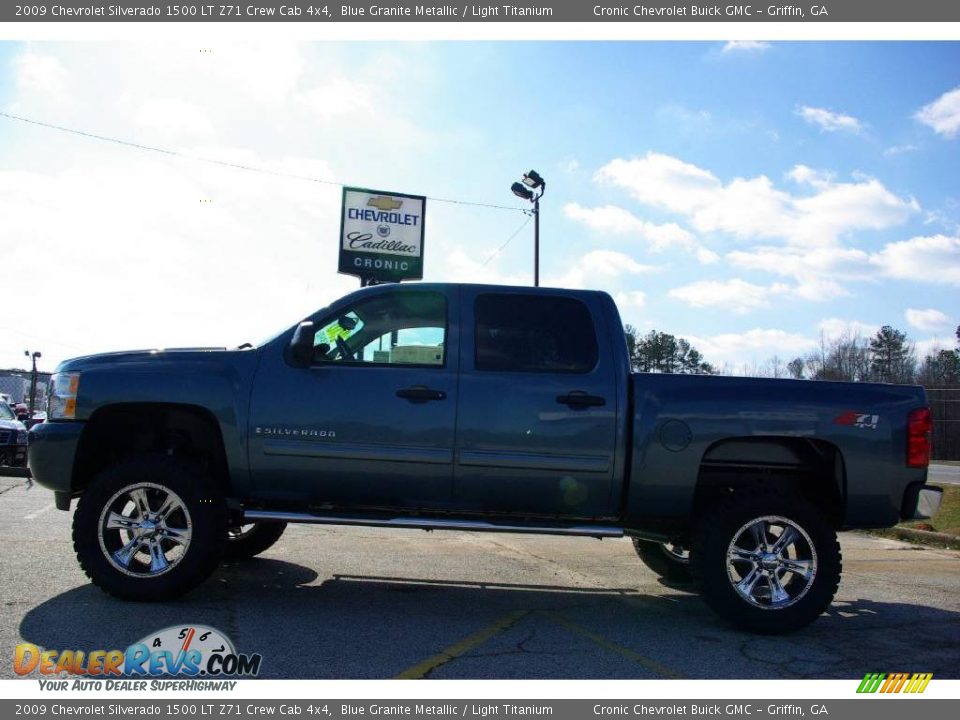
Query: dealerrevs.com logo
202	654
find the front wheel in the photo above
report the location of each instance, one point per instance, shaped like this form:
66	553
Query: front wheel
767	562
149	528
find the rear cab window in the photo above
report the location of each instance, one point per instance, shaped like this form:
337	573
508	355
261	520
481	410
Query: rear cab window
530	333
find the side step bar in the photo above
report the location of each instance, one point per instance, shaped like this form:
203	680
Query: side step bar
421	523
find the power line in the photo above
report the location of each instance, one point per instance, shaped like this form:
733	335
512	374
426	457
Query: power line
224	163
515	233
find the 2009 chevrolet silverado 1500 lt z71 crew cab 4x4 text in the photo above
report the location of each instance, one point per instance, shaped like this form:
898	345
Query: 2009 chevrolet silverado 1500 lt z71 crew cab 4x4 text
480	408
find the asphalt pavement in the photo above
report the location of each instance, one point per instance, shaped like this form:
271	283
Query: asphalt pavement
331	602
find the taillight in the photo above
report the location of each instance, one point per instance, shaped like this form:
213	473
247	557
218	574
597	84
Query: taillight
919	427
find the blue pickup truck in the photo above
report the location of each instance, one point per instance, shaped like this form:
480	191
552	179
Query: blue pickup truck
472	407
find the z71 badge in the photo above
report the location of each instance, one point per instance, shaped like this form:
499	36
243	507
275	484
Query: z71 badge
858	420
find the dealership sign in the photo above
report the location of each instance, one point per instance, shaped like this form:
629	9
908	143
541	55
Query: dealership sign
381	235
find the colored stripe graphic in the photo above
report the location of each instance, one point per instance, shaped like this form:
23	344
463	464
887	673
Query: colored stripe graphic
871	681
894	682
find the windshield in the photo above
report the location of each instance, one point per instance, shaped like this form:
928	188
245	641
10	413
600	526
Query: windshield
6	413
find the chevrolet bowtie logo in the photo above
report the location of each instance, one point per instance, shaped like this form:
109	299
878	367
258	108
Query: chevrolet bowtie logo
385	203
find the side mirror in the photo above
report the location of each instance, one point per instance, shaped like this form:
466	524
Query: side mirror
301	344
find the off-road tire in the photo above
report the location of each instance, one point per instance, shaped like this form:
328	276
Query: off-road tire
253	541
206	515
664	563
713	538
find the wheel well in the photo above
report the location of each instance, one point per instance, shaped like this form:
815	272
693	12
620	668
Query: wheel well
116	432
811	468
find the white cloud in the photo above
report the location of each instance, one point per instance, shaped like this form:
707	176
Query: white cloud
817	263
162	117
829	121
753	208
617	221
753	345
612	263
741	297
613	220
633	299
337	97
931	259
199	254
929	320
41	73
734	295
930	346
803	175
706	256
934	259
662	181
943	114
745	46
900	149
837	327
818	290
459	266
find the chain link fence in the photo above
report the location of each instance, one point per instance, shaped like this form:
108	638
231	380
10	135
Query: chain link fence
945	407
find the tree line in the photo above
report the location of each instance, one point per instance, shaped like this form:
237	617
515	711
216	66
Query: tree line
888	356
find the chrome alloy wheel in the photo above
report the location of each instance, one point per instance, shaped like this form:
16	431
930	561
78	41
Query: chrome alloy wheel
145	530
771	562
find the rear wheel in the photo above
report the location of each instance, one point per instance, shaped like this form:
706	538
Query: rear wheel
251	539
668	560
149	528
768	563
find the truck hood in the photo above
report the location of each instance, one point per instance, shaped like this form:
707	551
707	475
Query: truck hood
12	425
128	357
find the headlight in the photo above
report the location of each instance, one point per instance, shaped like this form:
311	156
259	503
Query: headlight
62	402
21	437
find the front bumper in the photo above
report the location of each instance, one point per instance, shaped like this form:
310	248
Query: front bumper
53	449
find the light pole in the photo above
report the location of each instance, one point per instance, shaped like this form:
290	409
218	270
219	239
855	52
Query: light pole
532	181
33	378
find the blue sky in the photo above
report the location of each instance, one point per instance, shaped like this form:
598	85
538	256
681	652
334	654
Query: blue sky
746	196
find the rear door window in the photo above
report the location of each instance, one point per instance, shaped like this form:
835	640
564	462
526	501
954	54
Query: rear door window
527	333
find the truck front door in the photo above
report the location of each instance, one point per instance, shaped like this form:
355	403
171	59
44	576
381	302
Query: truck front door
537	418
370	424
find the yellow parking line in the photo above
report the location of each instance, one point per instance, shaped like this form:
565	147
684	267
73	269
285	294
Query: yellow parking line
456	650
619	649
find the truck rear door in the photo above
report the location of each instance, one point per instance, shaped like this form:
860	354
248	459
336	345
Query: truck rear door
537	416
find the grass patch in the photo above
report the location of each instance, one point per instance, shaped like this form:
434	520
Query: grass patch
947	519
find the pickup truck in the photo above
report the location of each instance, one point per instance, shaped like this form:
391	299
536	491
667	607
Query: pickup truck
472	407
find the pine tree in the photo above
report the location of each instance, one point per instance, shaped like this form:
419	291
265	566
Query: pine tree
664	353
892	358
